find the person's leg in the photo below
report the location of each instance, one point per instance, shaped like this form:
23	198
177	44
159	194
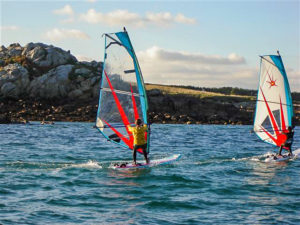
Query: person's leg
280	150
145	153
134	154
289	148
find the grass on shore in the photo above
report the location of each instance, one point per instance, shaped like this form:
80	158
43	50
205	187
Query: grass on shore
171	90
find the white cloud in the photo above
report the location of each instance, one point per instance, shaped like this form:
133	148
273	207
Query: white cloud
11	28
91	1
177	56
174	67
294	79
117	17
66	10
57	34
180	18
124	17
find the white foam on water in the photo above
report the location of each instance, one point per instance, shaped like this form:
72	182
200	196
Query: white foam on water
91	164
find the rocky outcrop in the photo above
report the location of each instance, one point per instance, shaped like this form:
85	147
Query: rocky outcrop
43	71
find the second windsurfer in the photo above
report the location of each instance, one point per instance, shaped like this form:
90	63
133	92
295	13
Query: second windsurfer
289	141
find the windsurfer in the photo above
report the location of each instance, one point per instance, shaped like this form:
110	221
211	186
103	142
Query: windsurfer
139	139
289	141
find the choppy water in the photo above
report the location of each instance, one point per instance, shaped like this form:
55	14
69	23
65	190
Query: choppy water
58	174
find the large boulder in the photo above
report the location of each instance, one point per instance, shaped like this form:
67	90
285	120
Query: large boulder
14	80
14	50
47	55
53	84
9	89
3	51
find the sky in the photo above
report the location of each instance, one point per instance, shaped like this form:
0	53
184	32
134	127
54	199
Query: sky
199	43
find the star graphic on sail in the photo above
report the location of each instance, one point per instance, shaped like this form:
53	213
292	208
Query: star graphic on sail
272	82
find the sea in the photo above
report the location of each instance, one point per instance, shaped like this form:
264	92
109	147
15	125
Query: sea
60	174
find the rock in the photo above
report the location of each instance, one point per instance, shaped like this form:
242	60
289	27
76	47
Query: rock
4	119
84	72
47	55
183	118
14	50
154	92
2	48
96	91
9	90
53	84
2	62
37	54
75	94
17	79
174	118
86	85
167	116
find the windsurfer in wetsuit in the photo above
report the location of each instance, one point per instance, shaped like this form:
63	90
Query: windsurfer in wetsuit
289	141
140	142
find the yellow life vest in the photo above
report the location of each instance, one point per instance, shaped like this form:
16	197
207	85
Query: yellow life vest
138	134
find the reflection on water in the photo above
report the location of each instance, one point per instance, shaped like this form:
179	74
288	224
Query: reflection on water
263	172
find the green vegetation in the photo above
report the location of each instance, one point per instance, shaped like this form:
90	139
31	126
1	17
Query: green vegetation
198	92
202	92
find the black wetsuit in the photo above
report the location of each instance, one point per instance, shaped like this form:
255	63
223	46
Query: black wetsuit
288	143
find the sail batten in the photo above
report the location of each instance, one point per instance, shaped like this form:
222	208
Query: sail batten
274	108
123	97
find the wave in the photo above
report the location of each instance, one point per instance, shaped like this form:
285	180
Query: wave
21	165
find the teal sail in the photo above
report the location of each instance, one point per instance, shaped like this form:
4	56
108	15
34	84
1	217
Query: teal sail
123	96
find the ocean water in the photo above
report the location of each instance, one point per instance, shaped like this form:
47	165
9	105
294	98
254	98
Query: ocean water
59	174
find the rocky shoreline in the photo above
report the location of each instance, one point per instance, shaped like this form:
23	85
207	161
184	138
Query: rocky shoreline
41	82
162	110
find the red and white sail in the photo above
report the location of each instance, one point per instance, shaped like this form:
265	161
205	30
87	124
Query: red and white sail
274	108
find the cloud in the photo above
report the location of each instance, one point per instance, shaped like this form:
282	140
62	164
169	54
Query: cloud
177	56
166	18
180	18
57	34
294	79
124	17
7	28
66	10
175	67
91	1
